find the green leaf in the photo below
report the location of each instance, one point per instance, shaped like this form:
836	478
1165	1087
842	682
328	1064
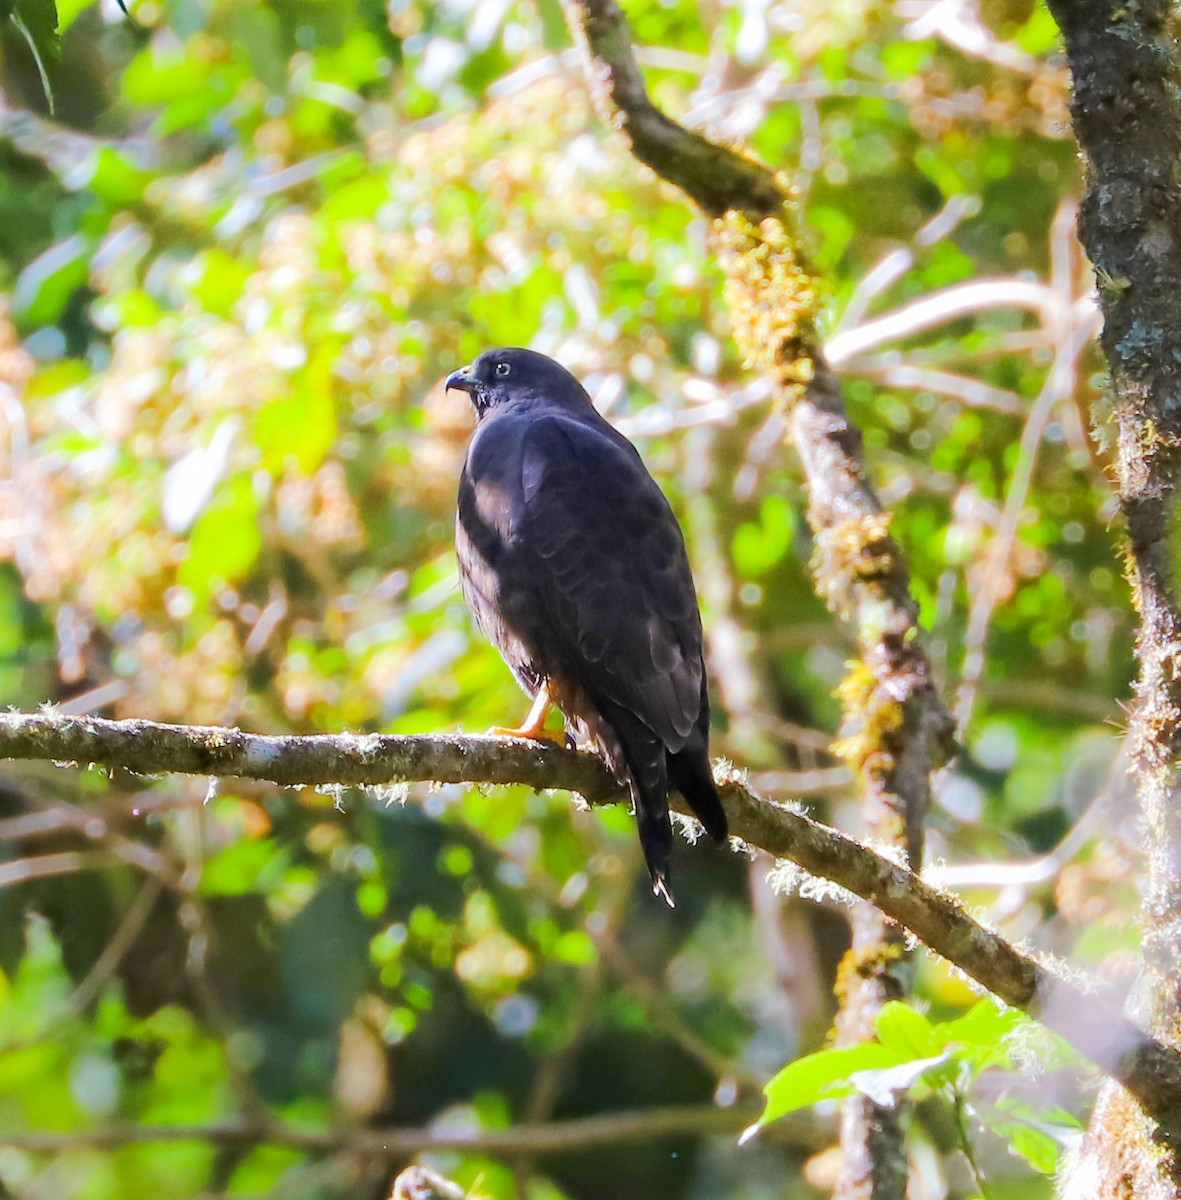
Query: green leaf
113	178
355	201
224	542
757	547
825	1075
900	1026
218	280
1039	35
1038	1148
982	1035
575	947
36	21
38	994
1039	1136
131	309
910	1050
984	1024
243	866
888	1085
257	30
45	286
262	1169
68	11
297	430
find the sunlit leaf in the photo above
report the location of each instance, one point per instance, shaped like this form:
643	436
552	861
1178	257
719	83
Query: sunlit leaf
888	1086
825	1075
1039	1136
904	1028
223	543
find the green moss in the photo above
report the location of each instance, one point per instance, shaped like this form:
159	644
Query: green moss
870	716
869	962
772	295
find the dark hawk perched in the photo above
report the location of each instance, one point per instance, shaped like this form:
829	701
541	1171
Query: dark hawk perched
575	568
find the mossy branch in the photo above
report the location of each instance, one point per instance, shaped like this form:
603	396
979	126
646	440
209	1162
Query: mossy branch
899	732
1088	1020
1126	111
718	180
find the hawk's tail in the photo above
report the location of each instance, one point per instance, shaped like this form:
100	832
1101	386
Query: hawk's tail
651	770
656	837
689	772
649	786
647	776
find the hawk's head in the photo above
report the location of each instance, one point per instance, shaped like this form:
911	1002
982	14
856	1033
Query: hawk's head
513	376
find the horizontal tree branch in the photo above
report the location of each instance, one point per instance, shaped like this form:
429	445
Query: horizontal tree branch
1089	1020
553	1137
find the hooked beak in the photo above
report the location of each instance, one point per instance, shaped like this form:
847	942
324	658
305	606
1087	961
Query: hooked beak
461	379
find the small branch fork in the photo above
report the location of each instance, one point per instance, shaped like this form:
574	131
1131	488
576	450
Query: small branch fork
1090	1020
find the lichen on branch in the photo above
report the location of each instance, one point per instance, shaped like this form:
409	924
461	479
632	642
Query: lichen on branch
1090	1021
773	301
1126	110
772	296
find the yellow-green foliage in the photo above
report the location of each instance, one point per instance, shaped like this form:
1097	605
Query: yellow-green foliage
237	271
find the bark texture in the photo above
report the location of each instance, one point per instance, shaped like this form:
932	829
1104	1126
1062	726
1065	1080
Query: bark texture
1127	116
1083	1014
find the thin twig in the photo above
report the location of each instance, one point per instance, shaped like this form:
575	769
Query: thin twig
1071	337
124	937
44	866
950	303
975	393
958	23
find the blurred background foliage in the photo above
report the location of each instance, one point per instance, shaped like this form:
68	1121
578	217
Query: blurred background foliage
237	262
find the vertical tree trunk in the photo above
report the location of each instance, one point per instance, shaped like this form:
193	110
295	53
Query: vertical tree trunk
1127	116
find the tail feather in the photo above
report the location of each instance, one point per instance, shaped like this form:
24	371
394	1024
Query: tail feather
656	840
689	772
651	770
647	769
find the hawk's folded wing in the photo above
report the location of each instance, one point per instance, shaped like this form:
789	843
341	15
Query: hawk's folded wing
610	571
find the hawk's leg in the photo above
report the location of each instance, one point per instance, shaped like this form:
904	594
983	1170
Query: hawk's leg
533	727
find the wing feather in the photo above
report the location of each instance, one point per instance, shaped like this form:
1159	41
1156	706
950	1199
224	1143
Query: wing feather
611	573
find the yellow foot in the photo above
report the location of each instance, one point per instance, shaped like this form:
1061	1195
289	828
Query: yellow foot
533	735
534	727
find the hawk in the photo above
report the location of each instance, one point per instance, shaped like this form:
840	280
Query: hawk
575	568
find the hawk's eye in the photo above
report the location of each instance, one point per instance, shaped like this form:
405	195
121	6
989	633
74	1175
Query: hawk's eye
503	369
